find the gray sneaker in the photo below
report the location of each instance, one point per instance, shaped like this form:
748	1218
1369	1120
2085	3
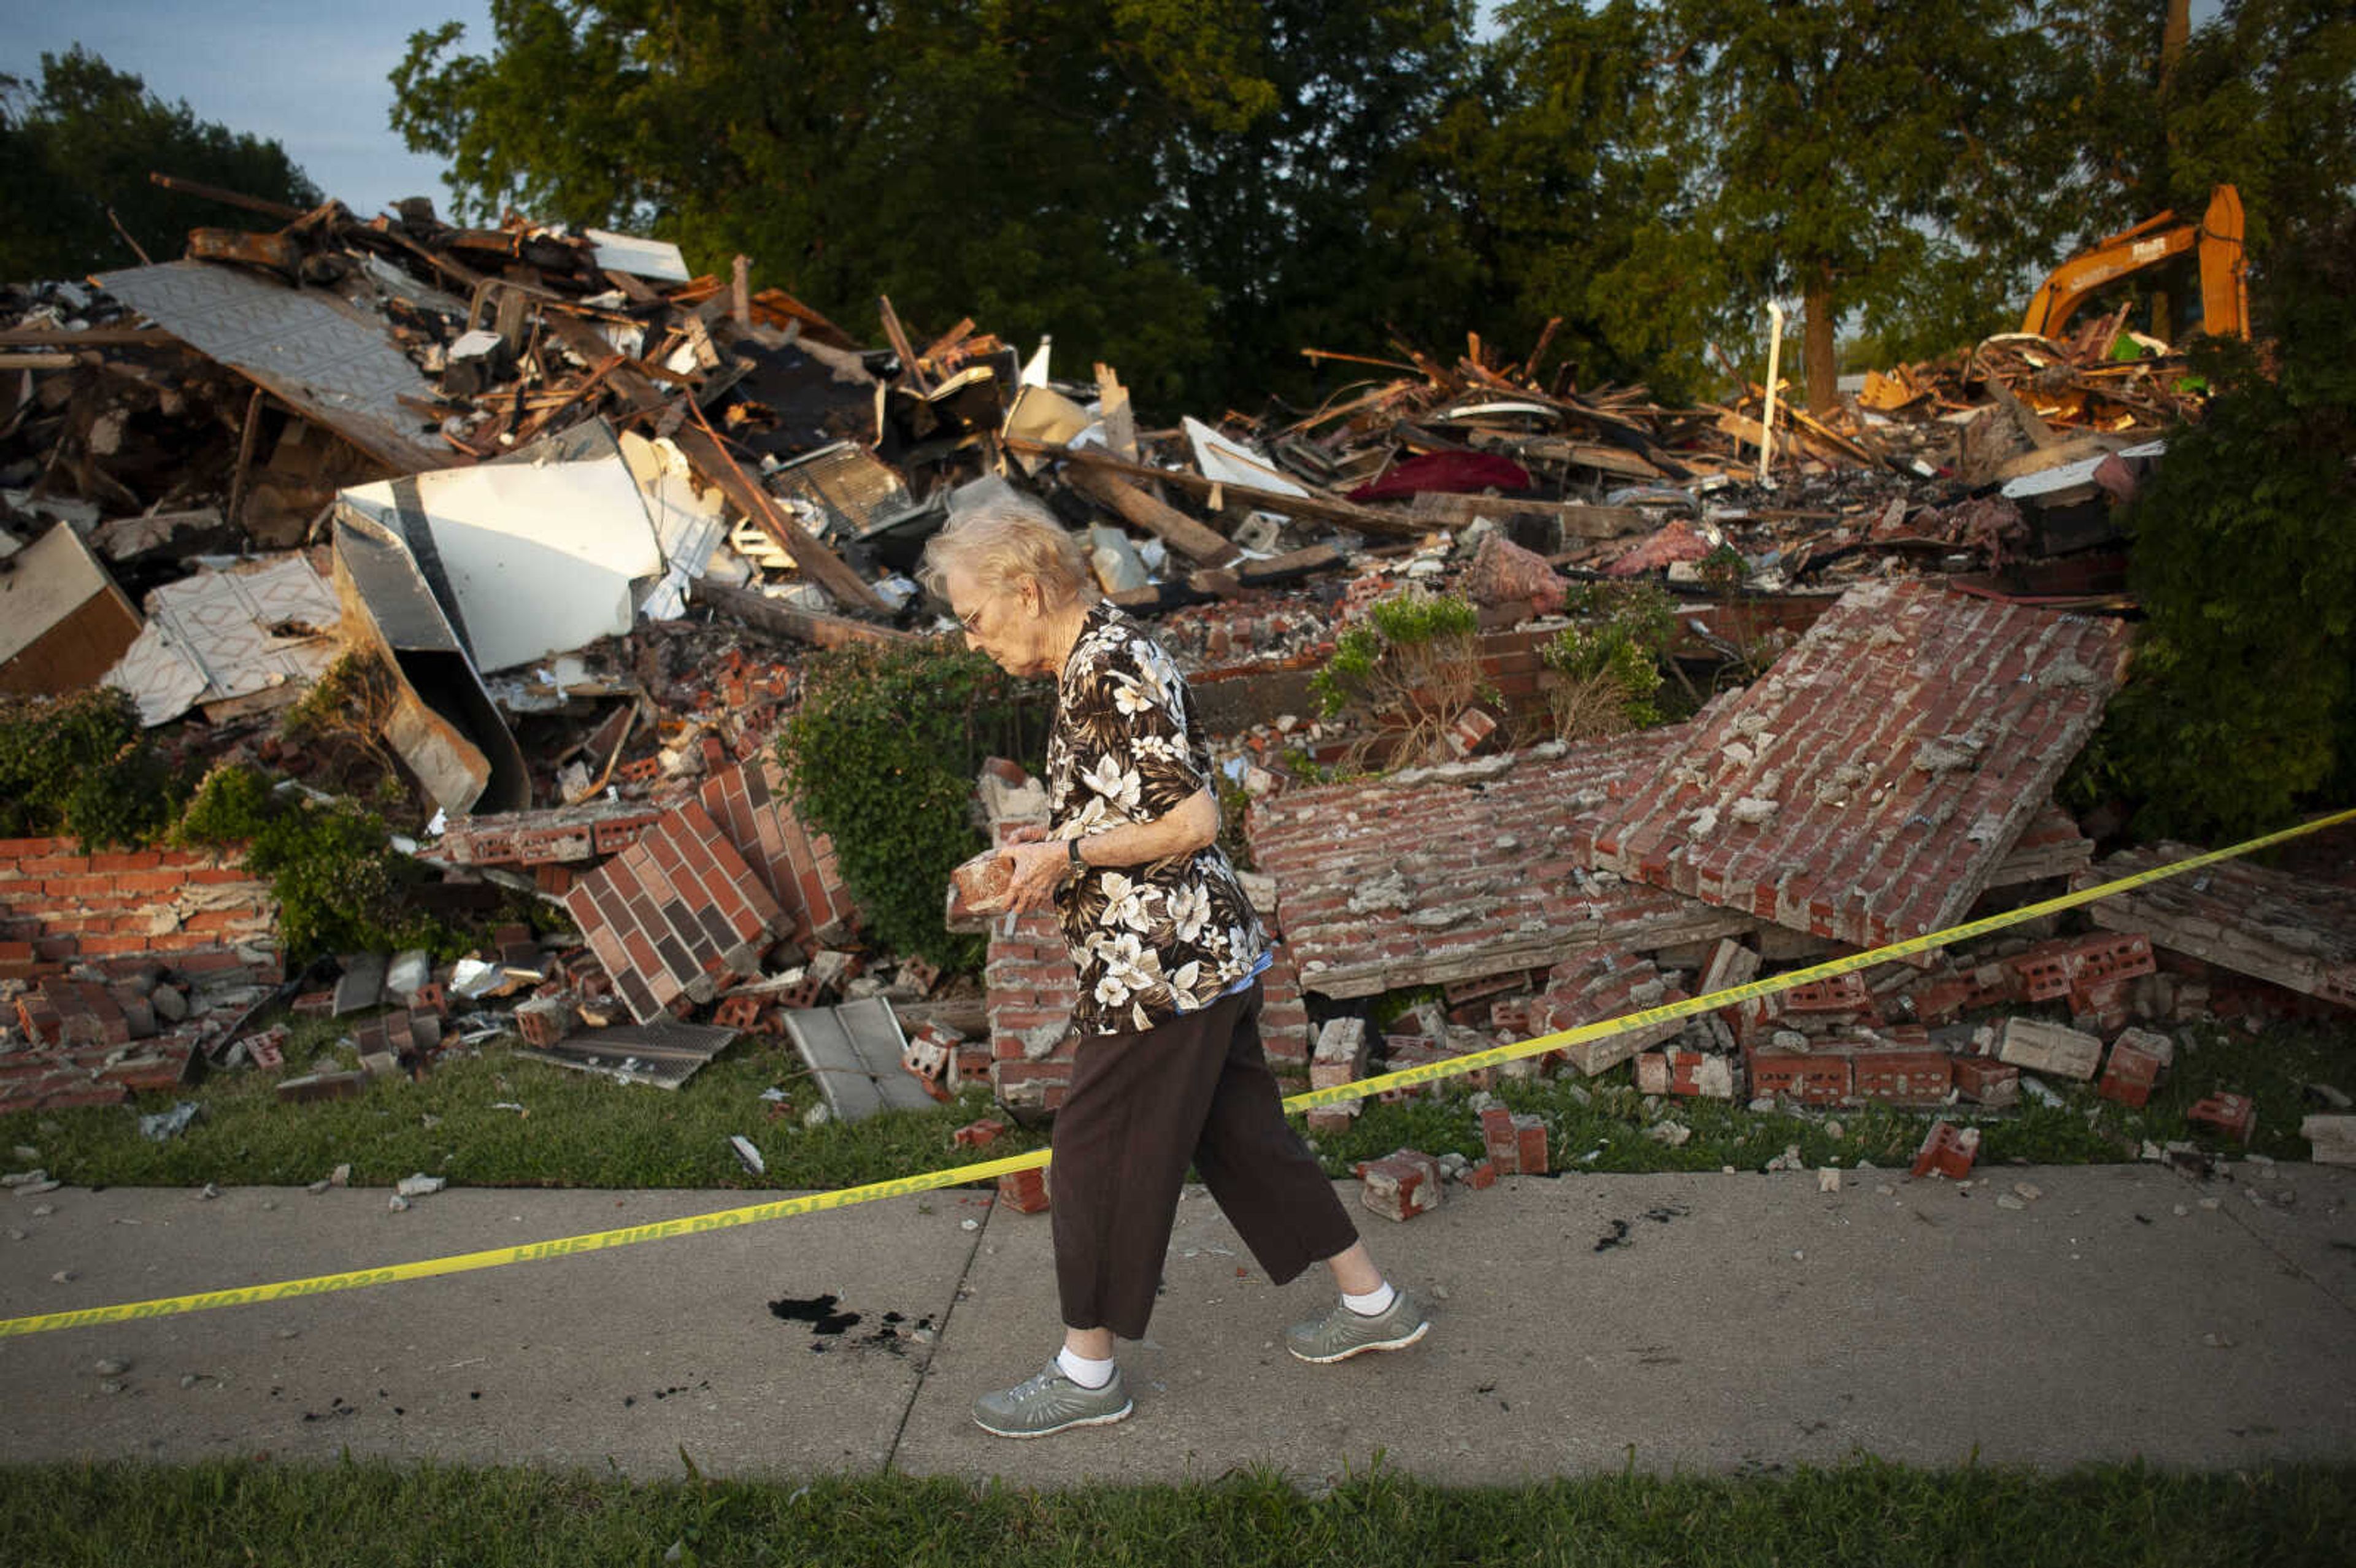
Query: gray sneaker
1342	1333
1051	1403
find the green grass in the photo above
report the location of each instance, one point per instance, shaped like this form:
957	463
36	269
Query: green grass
576	1129
1600	1123
1864	1512
579	1130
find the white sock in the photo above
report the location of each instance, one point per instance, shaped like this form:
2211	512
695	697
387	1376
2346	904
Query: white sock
1082	1371
1374	1304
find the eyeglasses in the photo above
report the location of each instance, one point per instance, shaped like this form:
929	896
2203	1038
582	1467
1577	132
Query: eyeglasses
970	621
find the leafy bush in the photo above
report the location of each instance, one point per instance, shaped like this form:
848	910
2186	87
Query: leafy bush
882	755
1606	673
1410	669
82	764
340	885
2240	709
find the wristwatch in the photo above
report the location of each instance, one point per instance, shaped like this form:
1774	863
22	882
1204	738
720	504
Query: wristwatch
1078	865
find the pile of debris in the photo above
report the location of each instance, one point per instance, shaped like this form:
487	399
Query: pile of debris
564	520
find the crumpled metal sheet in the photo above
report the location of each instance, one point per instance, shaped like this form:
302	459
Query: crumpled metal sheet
221	635
323	356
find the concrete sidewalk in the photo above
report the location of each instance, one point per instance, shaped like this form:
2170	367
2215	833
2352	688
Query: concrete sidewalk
1708	1322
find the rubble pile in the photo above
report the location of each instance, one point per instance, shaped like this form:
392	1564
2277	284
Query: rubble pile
556	523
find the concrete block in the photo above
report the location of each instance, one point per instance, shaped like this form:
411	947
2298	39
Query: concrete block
2331	1140
2053	1048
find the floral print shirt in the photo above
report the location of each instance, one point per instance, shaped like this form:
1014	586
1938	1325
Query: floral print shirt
1170	936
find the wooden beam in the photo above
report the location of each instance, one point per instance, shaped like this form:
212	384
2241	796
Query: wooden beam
1164	522
94	338
813	627
910	366
277	210
1343	513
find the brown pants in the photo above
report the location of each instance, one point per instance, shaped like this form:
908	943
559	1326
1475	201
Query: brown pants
1143	1107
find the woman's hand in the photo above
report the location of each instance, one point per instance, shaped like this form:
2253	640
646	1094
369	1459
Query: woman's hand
1038	868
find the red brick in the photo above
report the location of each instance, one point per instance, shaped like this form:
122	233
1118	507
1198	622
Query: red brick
974	1135
1901	1077
1808	1078
2235	1116
1025	1192
1949	1150
1986	1080
1400	1185
2130	1073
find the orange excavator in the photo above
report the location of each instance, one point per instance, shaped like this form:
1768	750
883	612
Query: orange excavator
2215	242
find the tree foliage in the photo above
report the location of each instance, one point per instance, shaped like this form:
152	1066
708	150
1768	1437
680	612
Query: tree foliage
1197	190
1166	186
2242	706
78	145
2156	112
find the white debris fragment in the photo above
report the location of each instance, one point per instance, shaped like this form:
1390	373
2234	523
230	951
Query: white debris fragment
419	1185
748	1155
1829	1179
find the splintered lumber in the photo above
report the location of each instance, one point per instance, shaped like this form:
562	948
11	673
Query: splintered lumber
1318	508
711	461
1166	523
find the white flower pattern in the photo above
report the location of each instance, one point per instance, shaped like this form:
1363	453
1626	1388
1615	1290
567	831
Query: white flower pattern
1155	941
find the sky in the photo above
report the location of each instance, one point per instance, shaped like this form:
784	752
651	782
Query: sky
309	74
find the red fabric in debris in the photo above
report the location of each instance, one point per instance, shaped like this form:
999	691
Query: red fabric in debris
1453	472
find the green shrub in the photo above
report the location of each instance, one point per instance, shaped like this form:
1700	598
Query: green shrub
1608	672
882	755
82	764
2240	709
340	885
1410	669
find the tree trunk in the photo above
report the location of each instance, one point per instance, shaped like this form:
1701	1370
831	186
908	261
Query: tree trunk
2173	34
1818	363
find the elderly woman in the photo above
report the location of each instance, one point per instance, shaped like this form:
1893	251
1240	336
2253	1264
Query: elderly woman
1169	1070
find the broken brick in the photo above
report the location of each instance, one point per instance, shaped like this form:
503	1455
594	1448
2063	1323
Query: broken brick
1400	1185
2235	1116
974	1135
1948	1150
1024	1192
1987	1082
2135	1060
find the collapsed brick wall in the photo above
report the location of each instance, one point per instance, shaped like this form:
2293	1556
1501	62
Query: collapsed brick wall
192	910
752	806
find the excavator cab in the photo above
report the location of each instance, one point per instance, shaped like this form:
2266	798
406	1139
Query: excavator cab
2191	276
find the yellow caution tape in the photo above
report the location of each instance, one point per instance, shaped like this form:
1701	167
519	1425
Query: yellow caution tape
988	1170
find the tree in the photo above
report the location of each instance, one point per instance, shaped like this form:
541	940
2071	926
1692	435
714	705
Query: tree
2261	96
1336	211
75	155
1561	186
1170	185
1847	151
2242	705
